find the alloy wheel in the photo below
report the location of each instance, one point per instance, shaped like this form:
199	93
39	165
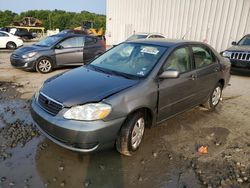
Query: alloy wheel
137	133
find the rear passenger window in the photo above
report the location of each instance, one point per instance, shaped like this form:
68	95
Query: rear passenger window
73	42
90	41
179	60
202	56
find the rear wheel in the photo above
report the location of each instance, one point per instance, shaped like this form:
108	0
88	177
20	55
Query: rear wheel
131	134
11	45
215	98
44	65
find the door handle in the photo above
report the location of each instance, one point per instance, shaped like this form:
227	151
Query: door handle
216	69
193	77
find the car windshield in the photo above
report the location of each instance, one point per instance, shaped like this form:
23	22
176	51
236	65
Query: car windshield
49	41
245	41
135	37
132	60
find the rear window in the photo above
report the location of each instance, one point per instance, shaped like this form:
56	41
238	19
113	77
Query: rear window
90	41
135	37
202	56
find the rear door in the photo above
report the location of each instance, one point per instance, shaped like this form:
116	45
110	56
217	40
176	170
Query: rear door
207	70
70	51
178	94
91	48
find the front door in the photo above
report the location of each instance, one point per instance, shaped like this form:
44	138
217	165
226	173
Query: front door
70	51
3	40
177	94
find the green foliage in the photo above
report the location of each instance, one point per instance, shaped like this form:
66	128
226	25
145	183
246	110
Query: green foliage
6	17
54	19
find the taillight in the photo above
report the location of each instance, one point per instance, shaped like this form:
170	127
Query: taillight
103	44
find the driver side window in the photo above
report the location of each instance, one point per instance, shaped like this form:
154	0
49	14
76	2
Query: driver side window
179	60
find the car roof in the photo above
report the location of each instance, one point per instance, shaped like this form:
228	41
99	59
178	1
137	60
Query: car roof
145	33
164	42
64	35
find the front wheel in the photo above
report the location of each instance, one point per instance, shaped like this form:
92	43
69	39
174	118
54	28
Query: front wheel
131	134
44	65
215	98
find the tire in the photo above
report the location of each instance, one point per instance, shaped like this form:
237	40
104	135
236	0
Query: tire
44	65
11	45
214	98
131	134
25	38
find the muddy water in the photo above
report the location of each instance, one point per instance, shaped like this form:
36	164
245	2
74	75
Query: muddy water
167	158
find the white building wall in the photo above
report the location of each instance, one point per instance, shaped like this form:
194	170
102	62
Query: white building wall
217	22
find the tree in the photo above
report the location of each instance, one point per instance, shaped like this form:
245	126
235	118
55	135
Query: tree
55	18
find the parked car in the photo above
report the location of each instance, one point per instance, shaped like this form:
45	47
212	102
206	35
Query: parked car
23	33
130	87
57	51
239	53
145	36
9	41
73	31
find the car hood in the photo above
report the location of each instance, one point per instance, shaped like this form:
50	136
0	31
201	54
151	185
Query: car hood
83	85
239	48
27	49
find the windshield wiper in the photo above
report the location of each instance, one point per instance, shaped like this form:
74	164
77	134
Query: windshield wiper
124	75
99	69
40	45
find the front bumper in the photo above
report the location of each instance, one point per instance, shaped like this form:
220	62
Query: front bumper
20	63
238	64
80	136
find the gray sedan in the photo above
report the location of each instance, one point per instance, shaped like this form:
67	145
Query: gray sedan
132	86
57	51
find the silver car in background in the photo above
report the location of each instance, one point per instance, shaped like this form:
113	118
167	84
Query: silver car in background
57	51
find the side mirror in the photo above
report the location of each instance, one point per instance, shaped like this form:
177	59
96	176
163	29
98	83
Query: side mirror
170	74
59	46
234	43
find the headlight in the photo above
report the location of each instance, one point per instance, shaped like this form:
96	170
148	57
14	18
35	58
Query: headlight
226	54
38	92
88	112
29	55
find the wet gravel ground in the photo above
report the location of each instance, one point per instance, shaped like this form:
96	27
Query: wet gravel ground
168	156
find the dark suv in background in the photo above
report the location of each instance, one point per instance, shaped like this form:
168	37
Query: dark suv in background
239	53
56	51
22	33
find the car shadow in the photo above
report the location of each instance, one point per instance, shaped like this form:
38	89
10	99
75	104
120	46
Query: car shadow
241	72
155	164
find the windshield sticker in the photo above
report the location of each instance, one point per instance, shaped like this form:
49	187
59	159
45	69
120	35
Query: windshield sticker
150	50
141	73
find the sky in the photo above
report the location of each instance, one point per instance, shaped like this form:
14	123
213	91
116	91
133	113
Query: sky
17	6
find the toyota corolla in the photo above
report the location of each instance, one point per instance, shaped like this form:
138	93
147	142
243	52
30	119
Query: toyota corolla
134	85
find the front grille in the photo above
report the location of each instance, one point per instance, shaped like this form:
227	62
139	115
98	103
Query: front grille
49	105
243	56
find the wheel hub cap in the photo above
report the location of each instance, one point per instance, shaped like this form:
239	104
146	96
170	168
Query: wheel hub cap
216	96
44	65
137	133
